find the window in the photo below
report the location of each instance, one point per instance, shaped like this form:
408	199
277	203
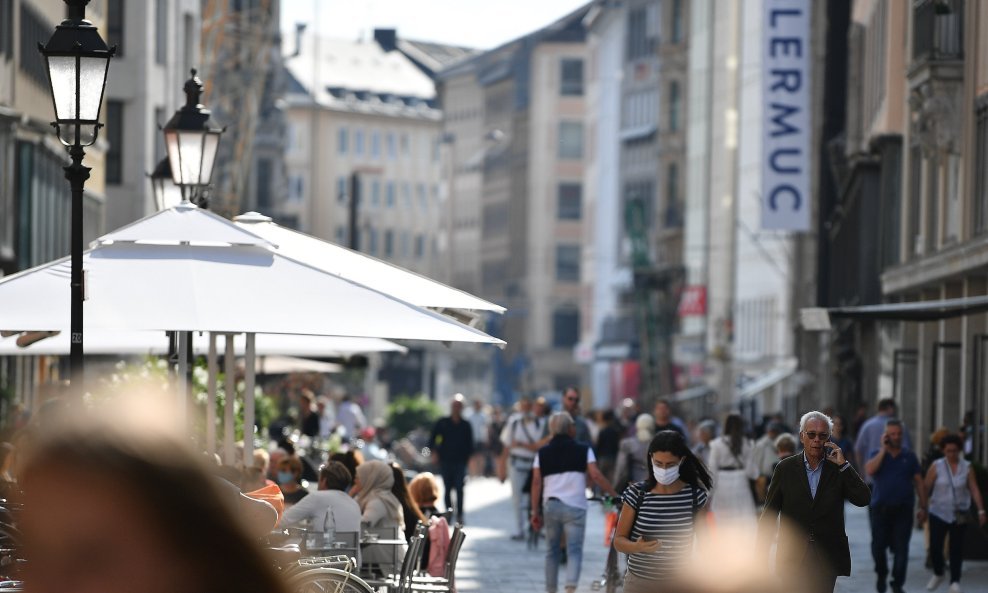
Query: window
674	215
423	200
375	193
915	199
372	241
114	136
161	31
406	194
392	148
159	139
115	26
389	243
375	145
570	140
676	26
981	171
341	193
263	189
568	263
643	192
33	29
390	195
570	204
7	28
358	142
571	83
343	141
296	188
674	106
340	235
565	328
419	245
404	144
404	243
642	37
191	38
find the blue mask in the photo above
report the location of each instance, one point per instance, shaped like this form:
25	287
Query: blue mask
285	477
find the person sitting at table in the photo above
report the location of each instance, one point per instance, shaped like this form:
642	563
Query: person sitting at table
330	509
290	479
424	490
381	511
410	511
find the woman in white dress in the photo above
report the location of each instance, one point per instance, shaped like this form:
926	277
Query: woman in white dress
732	470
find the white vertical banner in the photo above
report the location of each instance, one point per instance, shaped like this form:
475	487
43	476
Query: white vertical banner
786	131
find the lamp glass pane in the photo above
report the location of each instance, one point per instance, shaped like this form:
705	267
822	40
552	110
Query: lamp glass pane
174	156
167	194
87	136
210	144
61	69
190	148
92	75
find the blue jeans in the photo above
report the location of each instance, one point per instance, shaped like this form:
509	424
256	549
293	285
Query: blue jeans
891	527
561	518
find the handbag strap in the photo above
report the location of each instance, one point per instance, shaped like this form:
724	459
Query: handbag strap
950	478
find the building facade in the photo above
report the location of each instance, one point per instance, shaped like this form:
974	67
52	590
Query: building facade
520	144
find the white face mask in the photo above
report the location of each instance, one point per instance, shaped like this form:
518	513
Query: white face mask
664	475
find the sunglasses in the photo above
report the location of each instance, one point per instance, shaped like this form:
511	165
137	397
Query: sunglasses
817	435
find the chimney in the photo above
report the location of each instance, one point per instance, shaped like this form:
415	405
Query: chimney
386	38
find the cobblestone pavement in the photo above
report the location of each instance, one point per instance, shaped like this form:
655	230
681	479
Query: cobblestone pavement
492	563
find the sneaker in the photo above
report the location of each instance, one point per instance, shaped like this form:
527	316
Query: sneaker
935	581
955	587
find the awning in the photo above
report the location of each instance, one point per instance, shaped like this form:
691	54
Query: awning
766	381
908	311
692	393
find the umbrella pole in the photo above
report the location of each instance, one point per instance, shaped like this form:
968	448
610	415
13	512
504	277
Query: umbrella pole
249	401
213	369
183	378
230	358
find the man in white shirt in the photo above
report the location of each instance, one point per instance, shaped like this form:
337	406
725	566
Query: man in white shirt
559	497
350	417
522	435
479	424
329	510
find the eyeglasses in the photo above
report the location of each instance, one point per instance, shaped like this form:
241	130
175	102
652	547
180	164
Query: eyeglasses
815	435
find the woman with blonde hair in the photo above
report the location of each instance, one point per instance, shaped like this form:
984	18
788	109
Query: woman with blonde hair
425	492
630	468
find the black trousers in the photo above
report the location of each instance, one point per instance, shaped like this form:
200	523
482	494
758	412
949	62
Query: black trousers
939	530
821	575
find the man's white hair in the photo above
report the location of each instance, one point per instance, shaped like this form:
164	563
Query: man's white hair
814	415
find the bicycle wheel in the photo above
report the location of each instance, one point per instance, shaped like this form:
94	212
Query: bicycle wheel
327	580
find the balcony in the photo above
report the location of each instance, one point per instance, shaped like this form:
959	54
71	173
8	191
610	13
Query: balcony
938	31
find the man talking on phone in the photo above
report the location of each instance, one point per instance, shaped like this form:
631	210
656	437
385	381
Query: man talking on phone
808	491
895	473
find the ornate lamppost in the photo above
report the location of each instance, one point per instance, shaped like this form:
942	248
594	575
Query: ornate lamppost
77	61
191	139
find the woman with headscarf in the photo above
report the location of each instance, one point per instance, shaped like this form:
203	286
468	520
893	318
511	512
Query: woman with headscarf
380	510
732	469
630	468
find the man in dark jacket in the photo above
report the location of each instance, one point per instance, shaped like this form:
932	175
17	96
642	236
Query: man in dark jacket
452	443
808	491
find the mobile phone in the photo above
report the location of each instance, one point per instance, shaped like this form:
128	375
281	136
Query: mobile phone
831	452
887	441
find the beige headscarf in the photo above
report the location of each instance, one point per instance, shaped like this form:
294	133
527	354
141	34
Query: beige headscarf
376	481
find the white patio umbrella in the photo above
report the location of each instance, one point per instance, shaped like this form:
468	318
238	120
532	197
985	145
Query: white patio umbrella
149	342
362	268
185	269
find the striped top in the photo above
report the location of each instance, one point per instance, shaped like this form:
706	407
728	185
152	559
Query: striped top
668	518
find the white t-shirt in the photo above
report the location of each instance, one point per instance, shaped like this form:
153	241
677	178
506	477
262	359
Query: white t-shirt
569	487
325	510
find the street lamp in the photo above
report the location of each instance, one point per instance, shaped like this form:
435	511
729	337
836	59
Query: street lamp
77	59
191	139
166	193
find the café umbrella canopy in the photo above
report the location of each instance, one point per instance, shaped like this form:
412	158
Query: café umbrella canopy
191	140
186	269
155	343
77	60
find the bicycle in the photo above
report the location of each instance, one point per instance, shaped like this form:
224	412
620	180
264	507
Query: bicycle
612	577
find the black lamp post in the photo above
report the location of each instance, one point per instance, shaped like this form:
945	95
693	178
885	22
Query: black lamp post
166	193
191	139
77	59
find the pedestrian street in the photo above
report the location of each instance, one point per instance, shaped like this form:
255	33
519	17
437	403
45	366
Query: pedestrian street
492	563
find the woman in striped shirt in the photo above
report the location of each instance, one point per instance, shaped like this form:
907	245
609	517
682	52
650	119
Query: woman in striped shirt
659	515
